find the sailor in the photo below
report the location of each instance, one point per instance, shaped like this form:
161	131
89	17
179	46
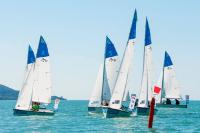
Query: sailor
177	101
105	103
149	103
168	101
136	102
35	106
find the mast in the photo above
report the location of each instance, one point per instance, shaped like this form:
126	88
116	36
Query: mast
145	64
102	93
147	98
162	89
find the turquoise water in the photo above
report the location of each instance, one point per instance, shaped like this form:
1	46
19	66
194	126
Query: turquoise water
73	117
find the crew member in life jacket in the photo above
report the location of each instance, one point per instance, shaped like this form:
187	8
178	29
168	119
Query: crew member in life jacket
105	103
177	101
168	101
35	106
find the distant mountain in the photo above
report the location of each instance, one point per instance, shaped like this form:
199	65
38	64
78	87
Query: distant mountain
7	93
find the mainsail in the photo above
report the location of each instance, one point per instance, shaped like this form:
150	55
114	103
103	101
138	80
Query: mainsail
146	85
24	98
120	86
106	77
42	85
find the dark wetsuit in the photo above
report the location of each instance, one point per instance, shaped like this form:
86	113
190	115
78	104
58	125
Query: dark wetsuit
168	101
177	102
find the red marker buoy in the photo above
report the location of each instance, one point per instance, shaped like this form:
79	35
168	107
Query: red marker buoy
151	113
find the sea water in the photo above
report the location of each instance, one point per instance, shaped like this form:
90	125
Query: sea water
72	116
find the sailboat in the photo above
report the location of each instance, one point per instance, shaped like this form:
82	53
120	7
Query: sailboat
115	108
106	79
146	84
36	88
167	88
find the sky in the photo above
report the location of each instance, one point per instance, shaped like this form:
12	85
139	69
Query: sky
75	32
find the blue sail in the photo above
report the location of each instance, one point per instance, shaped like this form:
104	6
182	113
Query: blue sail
132	34
167	61
31	56
147	34
110	50
42	48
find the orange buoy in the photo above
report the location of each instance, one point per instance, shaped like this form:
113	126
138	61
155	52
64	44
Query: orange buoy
151	113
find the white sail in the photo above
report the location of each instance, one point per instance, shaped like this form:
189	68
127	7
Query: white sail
24	98
106	91
42	85
120	86
110	76
172	89
121	82
95	99
112	69
146	85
